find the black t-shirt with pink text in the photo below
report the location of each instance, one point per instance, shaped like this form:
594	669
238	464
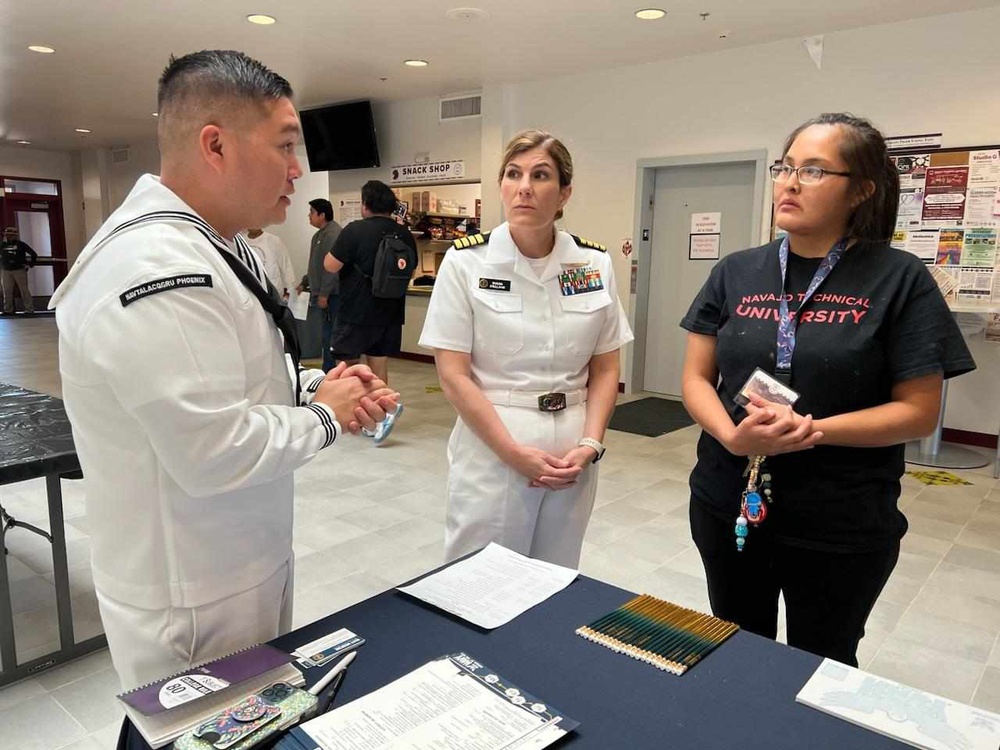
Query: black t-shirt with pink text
878	319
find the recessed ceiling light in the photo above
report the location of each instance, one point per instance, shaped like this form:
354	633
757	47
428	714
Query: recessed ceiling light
261	20
156	114
415	63
41	49
24	143
82	130
650	14
467	14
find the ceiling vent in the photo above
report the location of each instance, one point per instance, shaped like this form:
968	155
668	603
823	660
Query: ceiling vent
461	107
119	155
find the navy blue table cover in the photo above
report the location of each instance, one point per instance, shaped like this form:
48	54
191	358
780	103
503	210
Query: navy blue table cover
741	696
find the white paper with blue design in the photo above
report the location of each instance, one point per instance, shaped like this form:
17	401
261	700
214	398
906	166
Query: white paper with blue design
904	713
452	702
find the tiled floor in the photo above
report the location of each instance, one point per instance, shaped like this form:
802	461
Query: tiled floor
370	518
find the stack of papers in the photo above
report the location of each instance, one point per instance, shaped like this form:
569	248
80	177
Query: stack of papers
492	587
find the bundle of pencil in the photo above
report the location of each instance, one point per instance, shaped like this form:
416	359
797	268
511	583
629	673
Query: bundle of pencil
665	635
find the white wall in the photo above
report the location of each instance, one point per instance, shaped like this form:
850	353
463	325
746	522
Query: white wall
52	165
143	158
930	75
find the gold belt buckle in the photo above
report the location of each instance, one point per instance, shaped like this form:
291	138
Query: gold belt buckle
552	402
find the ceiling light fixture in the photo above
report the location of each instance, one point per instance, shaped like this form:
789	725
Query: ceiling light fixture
467	14
41	49
650	14
415	63
261	20
24	143
156	114
82	130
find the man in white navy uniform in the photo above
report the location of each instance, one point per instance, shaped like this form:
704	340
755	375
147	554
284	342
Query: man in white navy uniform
177	386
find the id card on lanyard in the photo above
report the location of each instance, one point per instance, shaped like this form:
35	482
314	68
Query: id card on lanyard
787	325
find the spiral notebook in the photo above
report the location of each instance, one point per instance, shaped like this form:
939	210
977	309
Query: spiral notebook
165	709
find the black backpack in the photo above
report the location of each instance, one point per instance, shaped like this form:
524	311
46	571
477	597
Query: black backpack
395	262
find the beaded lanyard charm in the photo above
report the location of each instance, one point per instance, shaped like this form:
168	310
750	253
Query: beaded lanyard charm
756	498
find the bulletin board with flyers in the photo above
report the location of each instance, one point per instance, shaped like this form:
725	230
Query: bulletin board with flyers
949	216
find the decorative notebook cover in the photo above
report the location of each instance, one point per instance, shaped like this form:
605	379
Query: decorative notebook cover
895	710
662	634
206	679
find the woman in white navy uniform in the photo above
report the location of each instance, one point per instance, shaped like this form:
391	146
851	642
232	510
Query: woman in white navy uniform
526	329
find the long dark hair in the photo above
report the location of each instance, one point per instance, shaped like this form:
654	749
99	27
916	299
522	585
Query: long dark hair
863	150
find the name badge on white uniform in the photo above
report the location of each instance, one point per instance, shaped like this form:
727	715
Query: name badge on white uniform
495	285
580	281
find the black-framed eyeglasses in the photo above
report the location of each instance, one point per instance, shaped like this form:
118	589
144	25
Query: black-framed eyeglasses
808	175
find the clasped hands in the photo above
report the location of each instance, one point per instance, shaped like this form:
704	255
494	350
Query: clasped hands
770	429
356	396
547	471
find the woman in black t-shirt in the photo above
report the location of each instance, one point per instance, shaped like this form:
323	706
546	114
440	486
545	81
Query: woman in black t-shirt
860	331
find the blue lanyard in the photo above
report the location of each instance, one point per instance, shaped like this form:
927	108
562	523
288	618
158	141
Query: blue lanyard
786	324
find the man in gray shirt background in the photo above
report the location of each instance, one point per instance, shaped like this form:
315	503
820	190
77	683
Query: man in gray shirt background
324	287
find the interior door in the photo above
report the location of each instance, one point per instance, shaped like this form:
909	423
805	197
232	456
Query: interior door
675	278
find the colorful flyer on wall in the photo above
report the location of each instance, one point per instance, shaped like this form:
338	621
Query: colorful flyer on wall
898	240
984	168
912	170
949	252
923	244
911	206
944	196
979	203
980	247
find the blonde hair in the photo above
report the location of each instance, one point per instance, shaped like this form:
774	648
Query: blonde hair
532	139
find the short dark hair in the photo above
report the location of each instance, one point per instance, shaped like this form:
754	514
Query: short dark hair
322	206
378	197
219	74
864	151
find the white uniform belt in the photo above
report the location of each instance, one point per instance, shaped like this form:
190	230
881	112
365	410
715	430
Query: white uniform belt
531	398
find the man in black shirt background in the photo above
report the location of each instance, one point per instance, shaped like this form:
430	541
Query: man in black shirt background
16	258
367	324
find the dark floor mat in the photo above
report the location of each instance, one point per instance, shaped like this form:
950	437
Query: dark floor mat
651	417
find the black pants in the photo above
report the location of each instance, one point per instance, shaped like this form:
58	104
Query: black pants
828	595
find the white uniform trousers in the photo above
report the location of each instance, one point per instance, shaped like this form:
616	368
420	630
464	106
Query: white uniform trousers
490	502
147	645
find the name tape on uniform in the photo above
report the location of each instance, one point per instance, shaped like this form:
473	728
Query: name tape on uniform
495	285
164	285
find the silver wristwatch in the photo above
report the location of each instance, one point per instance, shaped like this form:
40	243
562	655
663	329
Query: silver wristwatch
596	445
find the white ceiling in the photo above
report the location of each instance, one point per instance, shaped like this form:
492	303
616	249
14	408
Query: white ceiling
109	53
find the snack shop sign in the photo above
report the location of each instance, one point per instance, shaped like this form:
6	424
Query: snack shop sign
432	171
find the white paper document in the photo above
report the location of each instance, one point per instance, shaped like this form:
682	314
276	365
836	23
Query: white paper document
492	587
904	713
452	703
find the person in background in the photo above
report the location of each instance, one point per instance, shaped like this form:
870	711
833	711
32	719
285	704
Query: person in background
16	258
367	325
323	286
526	328
274	256
187	418
860	331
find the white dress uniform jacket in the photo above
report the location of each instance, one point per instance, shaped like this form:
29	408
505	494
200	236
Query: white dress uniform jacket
525	338
178	390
